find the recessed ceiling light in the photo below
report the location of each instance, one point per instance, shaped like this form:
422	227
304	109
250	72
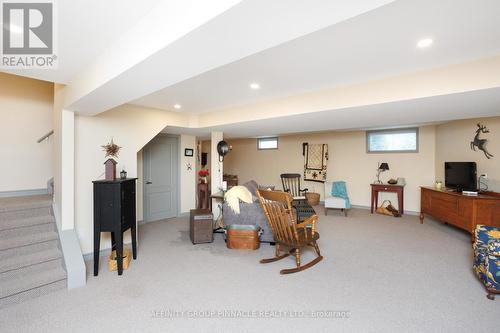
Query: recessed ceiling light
423	43
254	86
177	106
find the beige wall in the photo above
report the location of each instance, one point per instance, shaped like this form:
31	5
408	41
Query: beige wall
131	128
140	184
453	145
187	175
26	113
348	161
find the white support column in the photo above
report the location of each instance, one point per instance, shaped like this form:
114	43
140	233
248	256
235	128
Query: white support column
64	190
67	170
216	171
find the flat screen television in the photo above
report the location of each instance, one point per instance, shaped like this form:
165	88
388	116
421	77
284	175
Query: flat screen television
460	176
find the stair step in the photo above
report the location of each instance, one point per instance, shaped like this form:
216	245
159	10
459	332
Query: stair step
22	203
15	215
32	293
29	230
28	249
24	240
31	262
27	278
26	222
24	260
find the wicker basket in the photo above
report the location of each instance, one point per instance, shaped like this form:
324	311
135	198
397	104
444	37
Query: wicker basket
312	198
113	263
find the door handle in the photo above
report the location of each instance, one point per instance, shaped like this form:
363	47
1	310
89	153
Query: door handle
149	183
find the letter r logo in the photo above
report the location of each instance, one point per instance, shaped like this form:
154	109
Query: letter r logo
28	28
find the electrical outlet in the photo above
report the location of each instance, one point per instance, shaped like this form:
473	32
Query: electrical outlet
484	175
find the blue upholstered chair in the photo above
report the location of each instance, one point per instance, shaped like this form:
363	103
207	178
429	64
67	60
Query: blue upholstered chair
487	258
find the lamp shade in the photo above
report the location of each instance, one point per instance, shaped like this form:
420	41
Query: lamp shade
222	149
383	166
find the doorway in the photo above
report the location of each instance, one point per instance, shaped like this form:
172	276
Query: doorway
161	178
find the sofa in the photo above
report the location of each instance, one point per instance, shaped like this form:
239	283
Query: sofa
487	258
250	213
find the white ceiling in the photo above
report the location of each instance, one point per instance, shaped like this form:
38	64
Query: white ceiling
204	35
289	47
377	44
415	112
85	29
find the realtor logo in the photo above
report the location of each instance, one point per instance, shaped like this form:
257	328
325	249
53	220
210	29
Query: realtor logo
28	34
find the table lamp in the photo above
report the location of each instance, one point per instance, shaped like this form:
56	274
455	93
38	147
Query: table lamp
381	168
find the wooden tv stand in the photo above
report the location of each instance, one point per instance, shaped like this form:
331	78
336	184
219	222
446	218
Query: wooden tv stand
460	210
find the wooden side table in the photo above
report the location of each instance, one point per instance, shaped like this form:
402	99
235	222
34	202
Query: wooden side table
398	189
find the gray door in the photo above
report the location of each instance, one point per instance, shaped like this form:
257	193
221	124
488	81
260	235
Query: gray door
160	178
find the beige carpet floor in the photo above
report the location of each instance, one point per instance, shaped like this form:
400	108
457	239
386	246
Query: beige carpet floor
385	274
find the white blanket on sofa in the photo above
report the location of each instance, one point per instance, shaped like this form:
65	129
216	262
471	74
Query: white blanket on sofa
235	194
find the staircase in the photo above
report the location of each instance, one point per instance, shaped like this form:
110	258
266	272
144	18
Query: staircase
31	261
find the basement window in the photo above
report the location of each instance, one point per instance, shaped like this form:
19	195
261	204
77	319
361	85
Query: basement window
267	143
402	140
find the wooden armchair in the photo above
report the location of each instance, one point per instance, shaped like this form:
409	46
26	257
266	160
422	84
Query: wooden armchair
291	184
286	231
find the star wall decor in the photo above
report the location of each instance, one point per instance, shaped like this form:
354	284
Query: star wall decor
111	149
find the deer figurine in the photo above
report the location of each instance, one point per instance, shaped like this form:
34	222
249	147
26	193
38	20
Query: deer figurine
480	143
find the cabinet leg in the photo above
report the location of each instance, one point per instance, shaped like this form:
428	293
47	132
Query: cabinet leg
97	246
133	230
119	251
421	217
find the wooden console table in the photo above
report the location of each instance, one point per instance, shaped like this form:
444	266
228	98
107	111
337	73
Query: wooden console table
398	189
460	210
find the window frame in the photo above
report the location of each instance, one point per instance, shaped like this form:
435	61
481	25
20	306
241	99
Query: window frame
393	131
270	138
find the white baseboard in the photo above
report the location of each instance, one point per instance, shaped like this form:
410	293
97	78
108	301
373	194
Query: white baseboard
72	253
23	193
407	212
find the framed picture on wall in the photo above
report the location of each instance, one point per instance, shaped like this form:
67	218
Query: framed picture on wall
188	152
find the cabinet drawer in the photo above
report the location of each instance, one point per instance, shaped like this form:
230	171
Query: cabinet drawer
465	214
444	207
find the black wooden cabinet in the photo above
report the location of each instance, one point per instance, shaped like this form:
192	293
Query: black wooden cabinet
114	211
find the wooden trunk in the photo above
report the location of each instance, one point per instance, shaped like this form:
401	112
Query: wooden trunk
460	210
243	237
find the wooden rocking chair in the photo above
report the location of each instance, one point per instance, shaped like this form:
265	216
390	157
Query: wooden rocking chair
286	231
291	184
